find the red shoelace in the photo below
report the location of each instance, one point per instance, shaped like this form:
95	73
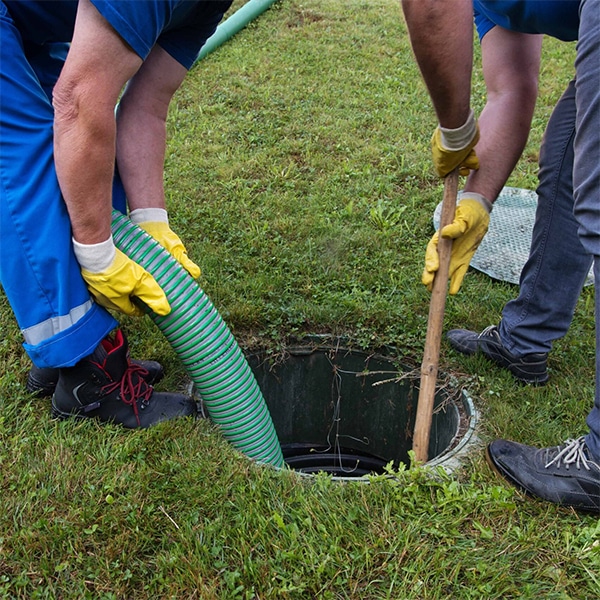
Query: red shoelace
133	388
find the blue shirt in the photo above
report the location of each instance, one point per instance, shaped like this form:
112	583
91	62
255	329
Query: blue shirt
556	18
179	26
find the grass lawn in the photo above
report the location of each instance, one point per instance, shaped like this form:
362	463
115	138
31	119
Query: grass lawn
298	174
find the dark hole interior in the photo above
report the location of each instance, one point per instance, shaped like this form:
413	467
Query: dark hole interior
344	411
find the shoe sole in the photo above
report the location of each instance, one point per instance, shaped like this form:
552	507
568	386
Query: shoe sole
60	415
39	388
516	369
63	416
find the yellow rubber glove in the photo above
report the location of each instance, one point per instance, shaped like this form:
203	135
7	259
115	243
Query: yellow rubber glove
470	224
115	286
163	234
452	148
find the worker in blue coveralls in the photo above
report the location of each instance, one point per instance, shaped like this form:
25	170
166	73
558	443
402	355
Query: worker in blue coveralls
566	236
64	67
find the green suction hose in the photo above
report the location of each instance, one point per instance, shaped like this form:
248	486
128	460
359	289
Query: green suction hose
237	21
206	347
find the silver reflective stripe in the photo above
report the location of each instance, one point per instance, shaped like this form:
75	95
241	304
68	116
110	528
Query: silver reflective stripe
46	329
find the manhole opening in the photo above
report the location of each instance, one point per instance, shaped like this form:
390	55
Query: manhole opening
350	413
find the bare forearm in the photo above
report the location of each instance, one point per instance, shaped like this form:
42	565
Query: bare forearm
141	142
504	124
97	67
442	40
511	63
84	146
141	128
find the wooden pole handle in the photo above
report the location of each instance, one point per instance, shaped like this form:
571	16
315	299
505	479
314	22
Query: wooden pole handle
433	340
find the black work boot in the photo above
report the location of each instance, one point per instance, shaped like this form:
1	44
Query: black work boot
110	388
42	382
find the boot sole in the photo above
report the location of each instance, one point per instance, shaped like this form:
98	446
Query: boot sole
39	388
63	416
516	369
533	373
60	415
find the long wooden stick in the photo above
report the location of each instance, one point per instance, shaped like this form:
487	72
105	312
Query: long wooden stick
431	354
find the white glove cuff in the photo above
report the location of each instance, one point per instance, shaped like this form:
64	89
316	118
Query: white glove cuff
478	197
146	215
458	139
95	258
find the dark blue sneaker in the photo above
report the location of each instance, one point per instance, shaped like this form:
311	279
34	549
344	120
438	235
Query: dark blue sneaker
567	474
530	368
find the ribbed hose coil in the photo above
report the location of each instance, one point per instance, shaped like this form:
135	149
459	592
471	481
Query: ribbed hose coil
206	347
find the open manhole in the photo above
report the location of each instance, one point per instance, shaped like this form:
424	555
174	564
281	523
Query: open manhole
350	413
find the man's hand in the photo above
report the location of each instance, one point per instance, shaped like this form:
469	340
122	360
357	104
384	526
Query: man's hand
114	279
470	224
154	222
452	148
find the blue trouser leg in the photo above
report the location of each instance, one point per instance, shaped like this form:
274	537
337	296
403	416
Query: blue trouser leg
47	62
586	171
558	264
38	270
593	420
